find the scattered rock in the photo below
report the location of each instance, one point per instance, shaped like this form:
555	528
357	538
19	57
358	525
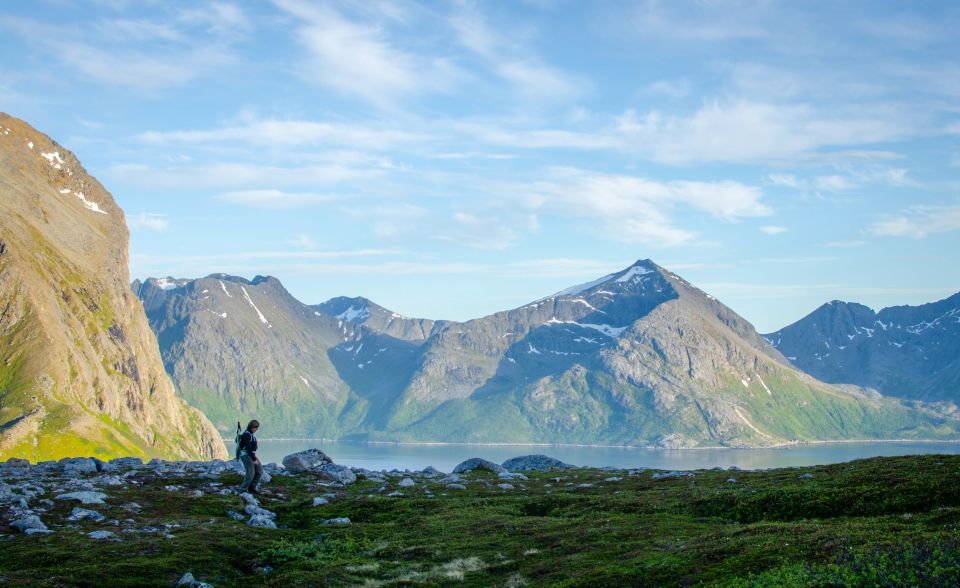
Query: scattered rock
431	472
406	483
126	463
101	535
475	463
505	486
249	499
806	476
188	581
74	466
254	510
535	463
28	523
396	495
456	486
85	497
731	480
335	473
306	461
667	475
320	501
235	515
337	522
613	479
511	476
83	514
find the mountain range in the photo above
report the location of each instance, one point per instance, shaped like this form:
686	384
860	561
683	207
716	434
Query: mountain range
637	357
80	371
904	351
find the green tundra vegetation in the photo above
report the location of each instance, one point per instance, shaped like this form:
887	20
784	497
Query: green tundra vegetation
875	522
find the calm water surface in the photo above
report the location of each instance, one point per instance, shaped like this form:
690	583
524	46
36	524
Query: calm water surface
445	457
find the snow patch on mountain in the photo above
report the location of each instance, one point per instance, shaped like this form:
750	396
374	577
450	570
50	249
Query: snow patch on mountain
355	314
633	273
263	319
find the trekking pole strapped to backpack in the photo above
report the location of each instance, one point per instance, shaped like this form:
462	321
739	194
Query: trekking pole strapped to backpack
236	440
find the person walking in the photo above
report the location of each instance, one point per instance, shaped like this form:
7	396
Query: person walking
247	448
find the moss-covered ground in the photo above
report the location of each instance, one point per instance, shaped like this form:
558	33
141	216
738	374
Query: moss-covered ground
876	522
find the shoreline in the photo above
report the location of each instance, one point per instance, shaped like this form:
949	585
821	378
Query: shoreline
788	445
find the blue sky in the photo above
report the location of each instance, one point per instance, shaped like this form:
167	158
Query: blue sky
451	159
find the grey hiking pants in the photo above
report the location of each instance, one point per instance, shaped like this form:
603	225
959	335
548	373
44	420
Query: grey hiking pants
253	473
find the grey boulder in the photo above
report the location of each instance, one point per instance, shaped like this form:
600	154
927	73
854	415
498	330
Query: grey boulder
306	461
534	463
83	514
475	463
262	522
74	466
28	523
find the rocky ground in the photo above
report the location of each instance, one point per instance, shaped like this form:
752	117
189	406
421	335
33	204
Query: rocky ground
529	521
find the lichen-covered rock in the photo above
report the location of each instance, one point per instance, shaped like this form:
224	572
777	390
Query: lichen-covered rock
475	463
306	461
534	463
262	522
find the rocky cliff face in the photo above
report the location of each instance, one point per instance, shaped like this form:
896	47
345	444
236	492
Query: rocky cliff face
905	351
636	357
80	372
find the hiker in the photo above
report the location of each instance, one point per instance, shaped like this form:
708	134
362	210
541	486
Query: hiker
247	451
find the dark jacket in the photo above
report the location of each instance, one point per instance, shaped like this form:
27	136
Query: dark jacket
248	443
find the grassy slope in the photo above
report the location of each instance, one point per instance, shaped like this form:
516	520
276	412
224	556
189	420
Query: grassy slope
888	521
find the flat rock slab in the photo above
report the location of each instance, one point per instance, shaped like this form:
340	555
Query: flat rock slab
101	535
83	514
85	497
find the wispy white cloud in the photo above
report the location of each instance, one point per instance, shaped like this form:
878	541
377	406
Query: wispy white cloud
639	210
509	59
360	59
149	221
277	199
230	176
919	222
844	244
773	230
290	133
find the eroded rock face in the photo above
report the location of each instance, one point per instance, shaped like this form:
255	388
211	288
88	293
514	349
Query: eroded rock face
81	367
534	463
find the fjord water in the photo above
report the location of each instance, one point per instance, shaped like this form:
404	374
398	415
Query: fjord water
380	456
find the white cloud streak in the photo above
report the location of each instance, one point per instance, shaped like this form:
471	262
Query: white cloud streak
276	199
149	221
919	222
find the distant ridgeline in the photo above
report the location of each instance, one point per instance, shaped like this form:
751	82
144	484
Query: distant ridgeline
906	351
638	357
79	369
